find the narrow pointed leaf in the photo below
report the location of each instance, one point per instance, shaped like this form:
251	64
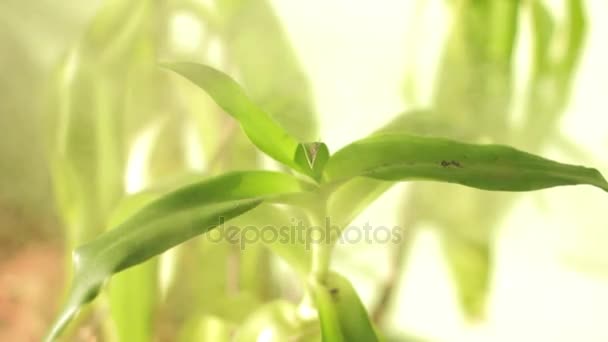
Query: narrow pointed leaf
133	298
469	264
543	26
577	30
490	167
328	317
341	309
262	130
502	30
354	320
165	223
133	293
268	66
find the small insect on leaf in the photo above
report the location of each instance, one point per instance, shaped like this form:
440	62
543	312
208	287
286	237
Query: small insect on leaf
445	163
334	292
400	157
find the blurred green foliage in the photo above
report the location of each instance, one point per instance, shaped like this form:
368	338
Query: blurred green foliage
73	131
473	102
30	42
100	110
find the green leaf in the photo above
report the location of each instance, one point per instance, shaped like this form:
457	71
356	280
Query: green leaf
543	26
346	202
354	320
165	223
466	230
502	30
398	157
343	316
133	297
92	93
262	130
469	263
577	30
81	154
328	316
269	69
312	156
133	293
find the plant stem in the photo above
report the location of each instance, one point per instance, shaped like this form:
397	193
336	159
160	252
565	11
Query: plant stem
321	254
320	243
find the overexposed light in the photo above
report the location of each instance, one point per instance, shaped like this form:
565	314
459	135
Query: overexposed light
306	310
193	147
269	163
426	303
186	31
265	336
166	273
215	52
426	47
136	171
208	4
69	71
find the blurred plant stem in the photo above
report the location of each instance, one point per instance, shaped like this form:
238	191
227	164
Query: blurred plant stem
321	246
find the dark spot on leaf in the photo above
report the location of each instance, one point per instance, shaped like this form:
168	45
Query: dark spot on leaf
334	292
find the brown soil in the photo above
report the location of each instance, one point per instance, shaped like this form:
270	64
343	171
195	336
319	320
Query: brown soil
31	285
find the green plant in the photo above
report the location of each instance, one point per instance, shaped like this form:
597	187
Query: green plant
324	185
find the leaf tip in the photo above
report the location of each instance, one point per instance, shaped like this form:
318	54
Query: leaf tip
311	158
